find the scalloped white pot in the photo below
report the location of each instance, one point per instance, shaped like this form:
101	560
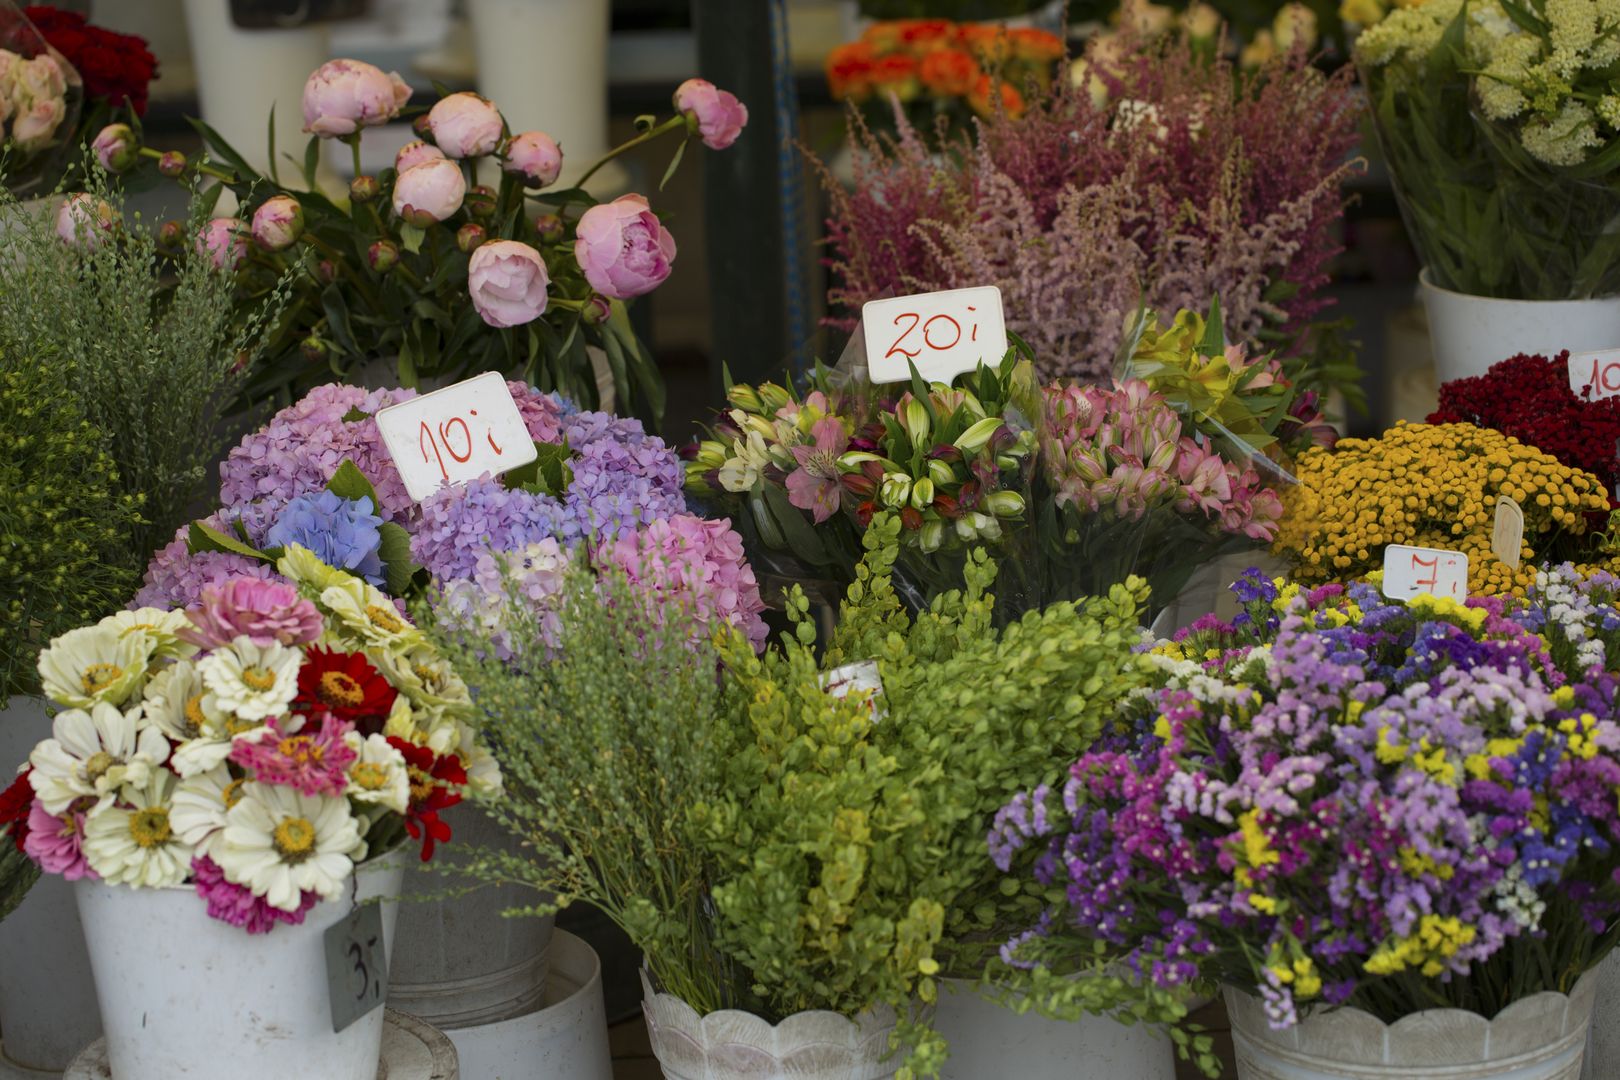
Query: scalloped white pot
735	1045
1470	333
185	995
1539	1038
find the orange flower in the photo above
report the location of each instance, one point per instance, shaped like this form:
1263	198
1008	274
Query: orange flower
1034	46
923	36
949	73
1012	102
986	41
896	74
849	71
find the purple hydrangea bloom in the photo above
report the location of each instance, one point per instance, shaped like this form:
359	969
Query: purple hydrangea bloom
461	522
175	578
619	485
343	533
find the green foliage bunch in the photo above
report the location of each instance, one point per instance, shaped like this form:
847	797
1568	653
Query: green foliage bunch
64	519
849	846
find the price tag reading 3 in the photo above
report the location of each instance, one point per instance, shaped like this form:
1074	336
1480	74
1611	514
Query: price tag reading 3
356	965
1595	375
943	333
1412	571
456	434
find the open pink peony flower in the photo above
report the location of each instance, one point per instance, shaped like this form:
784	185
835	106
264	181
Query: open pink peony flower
465	125
262	611
83	221
717	115
343	96
508	283
429	192
623	249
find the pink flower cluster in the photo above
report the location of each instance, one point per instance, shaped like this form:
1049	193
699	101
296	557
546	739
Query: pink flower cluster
692	569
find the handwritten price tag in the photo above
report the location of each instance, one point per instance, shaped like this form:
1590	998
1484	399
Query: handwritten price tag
943	333
1410	571
456	434
356	965
861	677
1599	370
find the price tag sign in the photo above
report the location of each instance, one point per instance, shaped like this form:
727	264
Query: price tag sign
943	333
1598	370
456	434
356	965
1411	571
1507	533
860	677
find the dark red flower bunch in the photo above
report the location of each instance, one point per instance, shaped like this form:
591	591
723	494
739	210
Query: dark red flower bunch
1528	397
115	67
436	782
15	802
347	686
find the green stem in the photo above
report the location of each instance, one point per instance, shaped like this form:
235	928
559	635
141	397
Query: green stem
343	267
354	148
647	136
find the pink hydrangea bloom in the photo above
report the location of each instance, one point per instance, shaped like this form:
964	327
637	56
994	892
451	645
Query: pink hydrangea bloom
175	578
57	843
263	611
237	905
692	569
315	761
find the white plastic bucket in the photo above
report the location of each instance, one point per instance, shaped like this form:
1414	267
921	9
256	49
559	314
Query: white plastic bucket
186	995
1470	333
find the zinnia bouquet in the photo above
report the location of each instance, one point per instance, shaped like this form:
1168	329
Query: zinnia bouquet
1342	800
1529	398
1500	124
257	746
387	275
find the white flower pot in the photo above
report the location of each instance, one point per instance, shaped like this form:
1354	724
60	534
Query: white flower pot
735	1045
1538	1038
1470	333
184	995
1603	1044
44	1021
987	1040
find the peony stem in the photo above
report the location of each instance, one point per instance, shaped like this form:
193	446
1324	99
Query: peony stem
647	136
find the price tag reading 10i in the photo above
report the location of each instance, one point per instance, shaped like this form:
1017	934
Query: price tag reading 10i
456	434
943	333
356	965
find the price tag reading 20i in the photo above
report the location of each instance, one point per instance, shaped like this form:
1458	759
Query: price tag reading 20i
943	333
456	434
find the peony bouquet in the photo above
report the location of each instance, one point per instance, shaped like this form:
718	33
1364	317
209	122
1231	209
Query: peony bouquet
40	98
1342	800
257	746
425	269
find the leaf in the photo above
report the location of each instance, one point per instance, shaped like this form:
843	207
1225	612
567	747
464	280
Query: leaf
548	474
312	159
337	318
399	569
1214	342
224	151
205	538
348	482
726	381
674	163
410	238
270	140
355	415
802	537
1527	20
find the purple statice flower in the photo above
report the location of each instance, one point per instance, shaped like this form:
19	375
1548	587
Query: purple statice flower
461	522
342	533
237	905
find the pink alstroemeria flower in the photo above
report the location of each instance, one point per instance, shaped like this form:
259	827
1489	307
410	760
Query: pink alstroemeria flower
814	485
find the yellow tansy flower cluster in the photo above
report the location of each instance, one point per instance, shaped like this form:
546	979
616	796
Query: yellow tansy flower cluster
1429	485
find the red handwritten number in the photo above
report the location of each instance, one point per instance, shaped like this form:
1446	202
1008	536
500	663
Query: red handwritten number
424	440
928	338
1433	564
895	348
466	435
489	435
1602	374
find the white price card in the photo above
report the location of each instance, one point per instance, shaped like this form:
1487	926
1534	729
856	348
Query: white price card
1507	531
1412	571
1598	370
456	434
356	965
943	333
861	677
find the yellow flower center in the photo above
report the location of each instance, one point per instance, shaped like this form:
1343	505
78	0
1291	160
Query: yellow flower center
259	679
97	677
425	673
370	775
384	619
194	716
232	793
302	749
294	839
340	689
149	828
98	765
235	725
422	784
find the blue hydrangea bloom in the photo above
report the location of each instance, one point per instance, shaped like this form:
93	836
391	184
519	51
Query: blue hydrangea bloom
342	532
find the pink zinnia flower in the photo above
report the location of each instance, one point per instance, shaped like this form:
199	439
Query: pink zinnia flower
57	843
814	485
314	762
237	905
262	611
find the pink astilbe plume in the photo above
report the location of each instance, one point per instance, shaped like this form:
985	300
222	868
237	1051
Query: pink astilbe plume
1193	179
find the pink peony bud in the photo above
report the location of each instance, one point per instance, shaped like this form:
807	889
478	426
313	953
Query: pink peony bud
416	153
343	96
116	148
172	234
430	192
83	221
172	163
597	310
383	255
536	157
278	223
716	115
326	271
469	237
362	189
508	282
465	125
224	242
313	350
480	201
549	227
422	128
622	248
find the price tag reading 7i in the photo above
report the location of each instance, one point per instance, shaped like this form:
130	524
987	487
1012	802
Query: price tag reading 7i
1595	375
943	333
1412	571
456	434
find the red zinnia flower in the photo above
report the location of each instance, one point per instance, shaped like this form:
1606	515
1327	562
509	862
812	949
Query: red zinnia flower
15	803
345	685
436	782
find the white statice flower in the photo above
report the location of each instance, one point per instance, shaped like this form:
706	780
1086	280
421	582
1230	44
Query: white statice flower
279	843
136	844
1407	34
1572	28
1517	900
1564	139
185	710
200	805
93	754
379	775
252	681
163	627
370	615
95	664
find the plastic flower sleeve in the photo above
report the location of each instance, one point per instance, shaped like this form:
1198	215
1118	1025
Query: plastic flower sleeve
41	96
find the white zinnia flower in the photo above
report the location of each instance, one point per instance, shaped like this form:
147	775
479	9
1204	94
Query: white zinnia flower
94	754
94	664
200	806
137	845
183	708
370	614
252	681
279	842
163	627
379	775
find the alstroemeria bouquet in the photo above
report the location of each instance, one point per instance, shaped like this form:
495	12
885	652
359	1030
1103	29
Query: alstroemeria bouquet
1344	800
1501	123
387	275
257	746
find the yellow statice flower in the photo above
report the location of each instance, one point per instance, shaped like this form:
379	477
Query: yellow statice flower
1578	730
1449	610
1435	941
